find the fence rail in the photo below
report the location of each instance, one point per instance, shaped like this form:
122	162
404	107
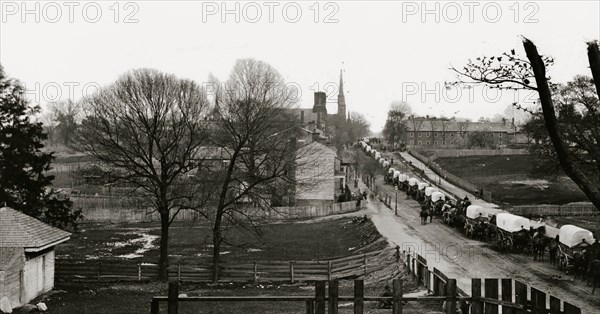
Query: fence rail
282	271
132	209
584	209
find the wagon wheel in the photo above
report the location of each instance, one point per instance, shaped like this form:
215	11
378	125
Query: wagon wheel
500	240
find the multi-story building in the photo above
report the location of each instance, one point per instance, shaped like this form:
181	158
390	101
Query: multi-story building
431	132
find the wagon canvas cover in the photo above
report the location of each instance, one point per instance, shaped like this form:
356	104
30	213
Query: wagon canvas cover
572	235
430	190
511	223
437	195
423	185
413	181
474	211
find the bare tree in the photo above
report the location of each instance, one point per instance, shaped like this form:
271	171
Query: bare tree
149	127
67	115
257	133
395	128
579	161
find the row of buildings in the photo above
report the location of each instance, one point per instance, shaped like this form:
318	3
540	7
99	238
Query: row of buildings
432	132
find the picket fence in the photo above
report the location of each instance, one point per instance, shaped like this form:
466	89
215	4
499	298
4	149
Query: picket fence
256	272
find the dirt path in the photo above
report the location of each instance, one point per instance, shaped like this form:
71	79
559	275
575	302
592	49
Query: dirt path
459	257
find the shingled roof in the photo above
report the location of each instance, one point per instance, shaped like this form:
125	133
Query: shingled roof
20	230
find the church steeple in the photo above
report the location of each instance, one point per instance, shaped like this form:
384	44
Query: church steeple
341	99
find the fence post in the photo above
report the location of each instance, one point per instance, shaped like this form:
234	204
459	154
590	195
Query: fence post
310	307
365	262
140	271
329	270
179	270
333	296
291	272
255	273
397	254
451	296
154	306
359	296
173	297
397	291
98	270
476	304
319	297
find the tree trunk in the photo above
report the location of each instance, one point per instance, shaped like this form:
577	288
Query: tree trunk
217	239
567	164
163	263
594	59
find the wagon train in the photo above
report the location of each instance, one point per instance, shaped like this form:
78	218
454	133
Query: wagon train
428	191
477	221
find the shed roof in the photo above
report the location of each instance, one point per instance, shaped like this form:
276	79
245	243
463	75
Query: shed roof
20	230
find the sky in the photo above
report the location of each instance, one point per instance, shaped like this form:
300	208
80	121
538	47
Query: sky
388	50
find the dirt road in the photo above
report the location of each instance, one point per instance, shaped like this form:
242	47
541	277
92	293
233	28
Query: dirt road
462	258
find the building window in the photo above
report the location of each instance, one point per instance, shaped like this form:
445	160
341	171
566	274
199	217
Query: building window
435	134
451	133
427	134
500	135
428	142
451	142
419	142
420	134
412	134
412	142
501	142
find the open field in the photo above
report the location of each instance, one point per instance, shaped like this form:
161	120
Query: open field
322	238
286	241
511	179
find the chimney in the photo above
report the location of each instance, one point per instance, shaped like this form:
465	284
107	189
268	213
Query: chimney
504	121
427	117
513	121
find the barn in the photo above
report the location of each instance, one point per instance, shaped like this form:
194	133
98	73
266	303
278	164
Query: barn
26	256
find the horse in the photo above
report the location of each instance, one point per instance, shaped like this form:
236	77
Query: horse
520	240
553	251
539	246
594	274
424	213
578	265
479	231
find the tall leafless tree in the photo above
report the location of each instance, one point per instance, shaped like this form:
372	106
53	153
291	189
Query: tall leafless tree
257	134
149	127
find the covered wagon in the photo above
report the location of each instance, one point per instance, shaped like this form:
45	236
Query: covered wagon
476	219
512	232
437	202
421	191
572	240
413	187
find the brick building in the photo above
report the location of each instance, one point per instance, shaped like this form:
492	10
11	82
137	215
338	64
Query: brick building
431	132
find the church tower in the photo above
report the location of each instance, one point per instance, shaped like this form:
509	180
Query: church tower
341	113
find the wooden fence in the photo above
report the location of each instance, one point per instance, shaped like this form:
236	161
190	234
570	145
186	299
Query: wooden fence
325	300
284	271
490	295
437	153
131	209
582	209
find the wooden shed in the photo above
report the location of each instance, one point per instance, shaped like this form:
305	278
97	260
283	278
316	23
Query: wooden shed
26	256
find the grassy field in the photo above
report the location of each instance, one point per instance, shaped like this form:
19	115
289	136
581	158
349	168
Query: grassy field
512	179
299	241
287	241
